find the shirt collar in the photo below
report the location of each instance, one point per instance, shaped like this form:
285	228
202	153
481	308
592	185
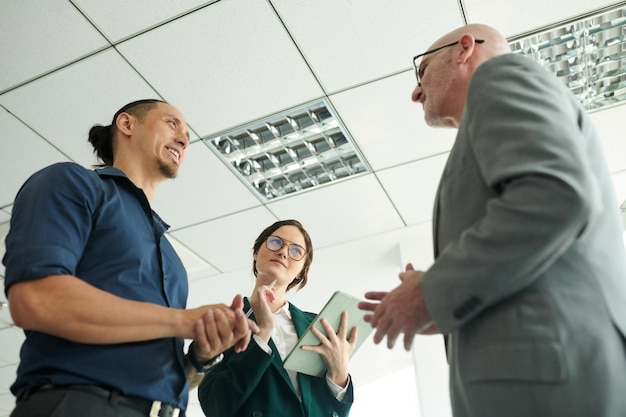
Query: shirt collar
110	171
284	310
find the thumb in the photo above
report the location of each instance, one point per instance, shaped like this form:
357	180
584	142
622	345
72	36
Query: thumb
409	267
237	302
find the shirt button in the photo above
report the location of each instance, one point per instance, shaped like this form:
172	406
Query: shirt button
257	414
335	414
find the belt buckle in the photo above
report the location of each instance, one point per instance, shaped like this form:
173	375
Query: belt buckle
155	410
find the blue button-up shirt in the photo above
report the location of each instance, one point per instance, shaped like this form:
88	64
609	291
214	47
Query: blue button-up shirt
98	226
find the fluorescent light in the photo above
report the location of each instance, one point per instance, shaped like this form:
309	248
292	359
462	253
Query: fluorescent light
587	54
290	152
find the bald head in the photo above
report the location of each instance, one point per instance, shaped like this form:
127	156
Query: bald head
495	43
444	72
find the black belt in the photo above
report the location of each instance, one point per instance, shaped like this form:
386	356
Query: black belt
147	407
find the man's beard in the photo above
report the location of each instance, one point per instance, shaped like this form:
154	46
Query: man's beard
168	171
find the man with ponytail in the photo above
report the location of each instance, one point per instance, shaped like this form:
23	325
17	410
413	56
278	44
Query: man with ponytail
99	290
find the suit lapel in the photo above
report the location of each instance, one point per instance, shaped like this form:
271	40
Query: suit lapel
301	322
436	221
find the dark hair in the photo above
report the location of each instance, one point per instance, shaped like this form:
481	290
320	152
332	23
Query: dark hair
302	277
102	138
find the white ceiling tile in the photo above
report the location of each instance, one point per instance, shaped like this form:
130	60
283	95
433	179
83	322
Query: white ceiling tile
610	126
28	153
412	187
137	15
221	289
64	105
351	42
226	64
38	36
204	189
348	210
515	18
388	127
226	243
194	264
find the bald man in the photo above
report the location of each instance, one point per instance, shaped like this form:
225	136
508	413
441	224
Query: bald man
529	278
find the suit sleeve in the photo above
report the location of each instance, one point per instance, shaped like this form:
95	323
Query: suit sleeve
522	133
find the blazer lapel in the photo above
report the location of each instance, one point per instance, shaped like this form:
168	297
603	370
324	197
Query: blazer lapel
436	221
301	322
277	362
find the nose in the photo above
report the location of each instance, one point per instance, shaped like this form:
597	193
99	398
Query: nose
417	93
284	250
183	140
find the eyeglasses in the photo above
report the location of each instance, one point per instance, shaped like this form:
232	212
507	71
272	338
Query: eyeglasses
275	243
416	57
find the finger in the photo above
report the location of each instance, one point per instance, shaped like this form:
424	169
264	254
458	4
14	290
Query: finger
322	338
242	344
310	348
206	332
237	302
254	328
242	332
330	331
379	314
408	341
341	332
269	294
224	330
354	336
200	335
368	318
208	322
364	305
241	327
381	329
409	267
375	295
393	332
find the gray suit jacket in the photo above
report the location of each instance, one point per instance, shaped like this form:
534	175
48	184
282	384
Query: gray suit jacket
529	279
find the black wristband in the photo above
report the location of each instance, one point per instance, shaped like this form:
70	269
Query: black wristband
203	367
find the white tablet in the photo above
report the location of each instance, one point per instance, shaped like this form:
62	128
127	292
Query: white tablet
311	363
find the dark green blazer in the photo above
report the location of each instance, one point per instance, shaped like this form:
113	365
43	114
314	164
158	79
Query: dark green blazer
255	384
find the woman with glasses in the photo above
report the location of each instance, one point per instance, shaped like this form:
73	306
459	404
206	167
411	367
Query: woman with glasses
254	382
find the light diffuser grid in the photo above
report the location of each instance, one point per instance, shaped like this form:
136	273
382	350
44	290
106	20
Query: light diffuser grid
292	151
588	55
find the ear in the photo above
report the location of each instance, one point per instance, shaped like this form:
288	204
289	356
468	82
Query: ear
125	123
466	48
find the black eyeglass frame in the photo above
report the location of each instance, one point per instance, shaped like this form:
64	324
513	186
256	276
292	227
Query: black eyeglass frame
287	243
416	57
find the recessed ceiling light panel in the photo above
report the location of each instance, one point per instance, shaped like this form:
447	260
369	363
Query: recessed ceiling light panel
588	55
292	151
